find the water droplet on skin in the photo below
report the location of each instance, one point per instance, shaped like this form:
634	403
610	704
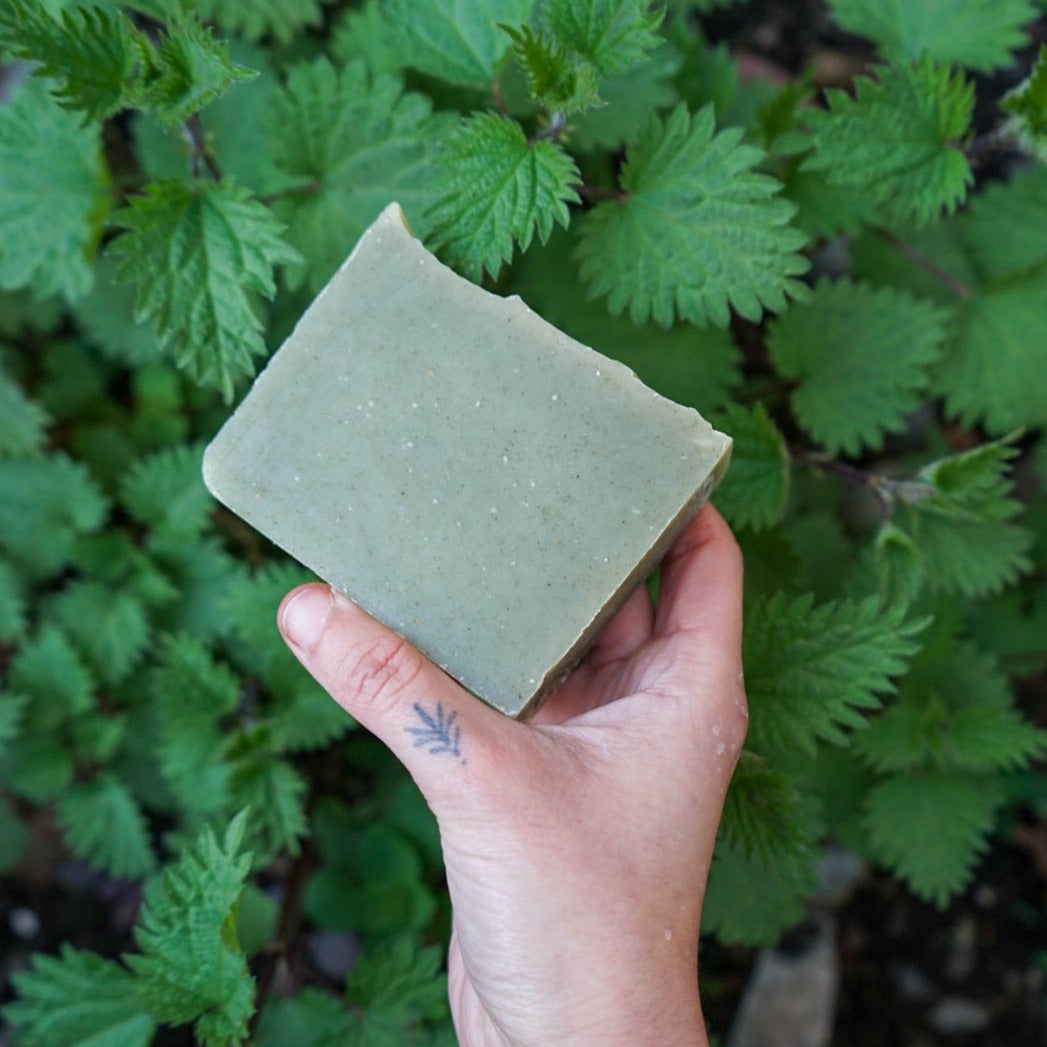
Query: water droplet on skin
721	749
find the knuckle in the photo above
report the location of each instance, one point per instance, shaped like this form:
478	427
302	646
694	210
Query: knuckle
378	673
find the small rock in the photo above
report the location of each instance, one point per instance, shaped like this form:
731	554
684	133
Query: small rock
958	1016
333	953
24	923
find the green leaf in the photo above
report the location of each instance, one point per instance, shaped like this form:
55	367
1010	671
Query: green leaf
12	604
750	903
77	999
47	502
1027	104
22	422
812	672
398	984
461	43
697	231
310	1018
14	838
38	768
275	793
110	628
900	566
255	19
363	31
501	190
558	83
165	491
190	966
48	228
103	824
860	356
197	252
187	70
754	491
976	33
49	671
11	706
350	142
959	512
88	51
930	827
896	139
614	35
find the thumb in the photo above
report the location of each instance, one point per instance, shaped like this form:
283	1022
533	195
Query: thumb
434	727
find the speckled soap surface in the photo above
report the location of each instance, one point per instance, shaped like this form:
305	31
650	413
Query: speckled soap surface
471	476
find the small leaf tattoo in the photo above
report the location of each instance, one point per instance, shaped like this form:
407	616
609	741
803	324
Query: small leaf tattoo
439	733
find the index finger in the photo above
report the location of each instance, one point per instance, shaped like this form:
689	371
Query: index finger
701	583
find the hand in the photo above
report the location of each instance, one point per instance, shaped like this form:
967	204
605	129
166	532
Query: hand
577	845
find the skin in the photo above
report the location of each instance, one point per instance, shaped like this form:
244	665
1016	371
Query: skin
577	845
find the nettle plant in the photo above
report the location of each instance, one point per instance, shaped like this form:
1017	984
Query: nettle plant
850	280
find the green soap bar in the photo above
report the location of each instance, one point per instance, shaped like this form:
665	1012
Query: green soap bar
471	476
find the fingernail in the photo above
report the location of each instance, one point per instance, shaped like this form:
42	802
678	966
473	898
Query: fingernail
305	616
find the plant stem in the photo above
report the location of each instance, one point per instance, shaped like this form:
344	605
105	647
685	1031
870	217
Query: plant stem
201	156
881	487
599	192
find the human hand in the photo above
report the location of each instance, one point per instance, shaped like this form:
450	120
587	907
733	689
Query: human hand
577	846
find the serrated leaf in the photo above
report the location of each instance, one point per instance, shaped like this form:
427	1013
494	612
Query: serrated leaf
22	421
197	252
811	673
897	139
698	230
750	903
165	491
12	604
461	43
499	190
186	70
48	228
754	491
77	999
350	142
38	768
255	19
363	32
88	51
109	627
11	707
976	33
629	98
190	967
310	1018
275	793
614	35
960	514
103	824
201	573
930	827
48	669
398	983
1027	104
557	82
860	356
900	567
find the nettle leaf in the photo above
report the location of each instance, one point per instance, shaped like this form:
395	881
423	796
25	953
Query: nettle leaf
103	824
255	19
310	1018
22	421
502	189
89	52
186	70
812	672
77	999
273	790
165	491
398	984
461	43
930	827
11	706
363	32
12	604
108	626
49	671
900	566
48	227
959	512
1027	105
698	230
190	967
754	491
557	82
897	139
861	356
351	142
198	251
614	35
976	33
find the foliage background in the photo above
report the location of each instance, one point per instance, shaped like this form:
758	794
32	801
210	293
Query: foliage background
845	266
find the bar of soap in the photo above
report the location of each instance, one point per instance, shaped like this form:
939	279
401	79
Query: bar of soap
471	476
